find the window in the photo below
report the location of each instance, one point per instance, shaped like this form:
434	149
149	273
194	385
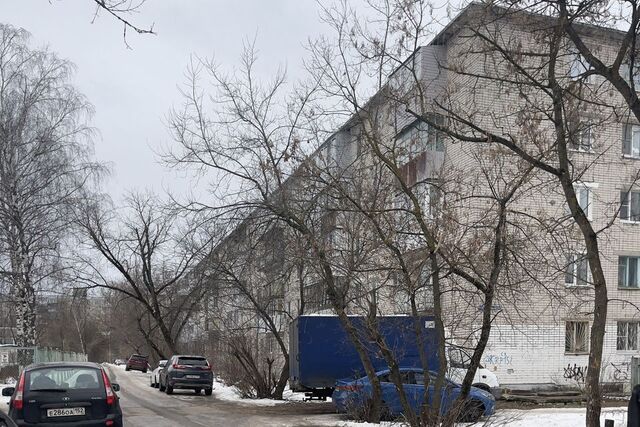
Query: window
628	272
427	194
417	138
631	141
576	271
627	336
630	205
583	194
586	137
576	337
578	66
66	378
338	239
581	136
625	72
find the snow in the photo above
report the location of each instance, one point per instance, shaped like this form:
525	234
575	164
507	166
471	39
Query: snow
231	394
548	417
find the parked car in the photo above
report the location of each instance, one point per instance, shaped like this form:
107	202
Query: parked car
352	396
64	394
186	372
137	362
154	377
120	362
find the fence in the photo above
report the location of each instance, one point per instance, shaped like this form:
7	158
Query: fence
20	356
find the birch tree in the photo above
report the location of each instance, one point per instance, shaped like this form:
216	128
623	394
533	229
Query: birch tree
45	168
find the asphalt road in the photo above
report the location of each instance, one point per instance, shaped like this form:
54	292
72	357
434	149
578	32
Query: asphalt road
144	406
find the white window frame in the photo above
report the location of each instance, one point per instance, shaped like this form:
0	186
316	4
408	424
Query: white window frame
634	140
624	270
571	334
415	138
578	66
628	75
586	133
574	261
627	201
581	187
624	340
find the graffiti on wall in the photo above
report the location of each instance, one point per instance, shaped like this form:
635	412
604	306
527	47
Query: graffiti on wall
619	372
575	372
501	359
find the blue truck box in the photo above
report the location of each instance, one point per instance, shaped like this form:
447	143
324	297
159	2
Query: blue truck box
320	352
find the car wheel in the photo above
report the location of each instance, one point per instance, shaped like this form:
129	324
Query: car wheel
144	371
208	391
126	368
160	386
168	389
196	390
472	411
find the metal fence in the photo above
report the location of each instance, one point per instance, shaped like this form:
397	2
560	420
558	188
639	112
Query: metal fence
21	356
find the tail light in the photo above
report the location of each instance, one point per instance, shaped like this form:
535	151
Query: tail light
176	366
206	368
111	397
348	387
18	401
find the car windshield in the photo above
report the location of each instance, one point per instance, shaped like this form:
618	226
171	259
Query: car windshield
63	379
193	361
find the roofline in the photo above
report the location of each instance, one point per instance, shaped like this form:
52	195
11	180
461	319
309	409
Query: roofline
464	15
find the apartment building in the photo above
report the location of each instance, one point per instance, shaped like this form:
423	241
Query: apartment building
540	331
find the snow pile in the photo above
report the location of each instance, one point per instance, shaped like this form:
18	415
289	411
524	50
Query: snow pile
549	417
231	394
555	417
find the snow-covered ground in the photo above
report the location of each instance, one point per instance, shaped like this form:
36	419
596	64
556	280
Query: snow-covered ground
546	417
231	393
551	417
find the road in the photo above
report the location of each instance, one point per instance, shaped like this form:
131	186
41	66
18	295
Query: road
144	406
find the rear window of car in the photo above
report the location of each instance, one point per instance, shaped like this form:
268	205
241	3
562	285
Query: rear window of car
63	378
193	361
138	357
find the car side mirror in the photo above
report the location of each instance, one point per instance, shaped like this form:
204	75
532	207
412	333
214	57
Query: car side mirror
8	391
115	386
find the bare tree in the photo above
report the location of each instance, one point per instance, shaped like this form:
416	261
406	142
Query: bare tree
551	69
151	251
45	168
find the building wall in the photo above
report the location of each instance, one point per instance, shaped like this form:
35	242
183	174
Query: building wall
527	344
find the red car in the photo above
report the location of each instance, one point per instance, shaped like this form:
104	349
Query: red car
137	363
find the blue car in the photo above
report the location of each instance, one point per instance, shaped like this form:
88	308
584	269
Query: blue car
351	396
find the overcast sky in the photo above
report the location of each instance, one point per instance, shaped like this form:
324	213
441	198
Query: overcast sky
132	89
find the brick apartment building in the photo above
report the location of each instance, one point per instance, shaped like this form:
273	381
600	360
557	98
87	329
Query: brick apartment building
540	333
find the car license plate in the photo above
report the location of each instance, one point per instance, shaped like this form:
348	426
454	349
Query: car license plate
65	412
193	376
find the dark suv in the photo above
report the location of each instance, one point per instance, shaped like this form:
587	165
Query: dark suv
187	372
137	363
64	394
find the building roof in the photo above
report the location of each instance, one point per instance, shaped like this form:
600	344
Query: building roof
476	9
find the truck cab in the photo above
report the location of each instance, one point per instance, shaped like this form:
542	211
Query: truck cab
458	362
